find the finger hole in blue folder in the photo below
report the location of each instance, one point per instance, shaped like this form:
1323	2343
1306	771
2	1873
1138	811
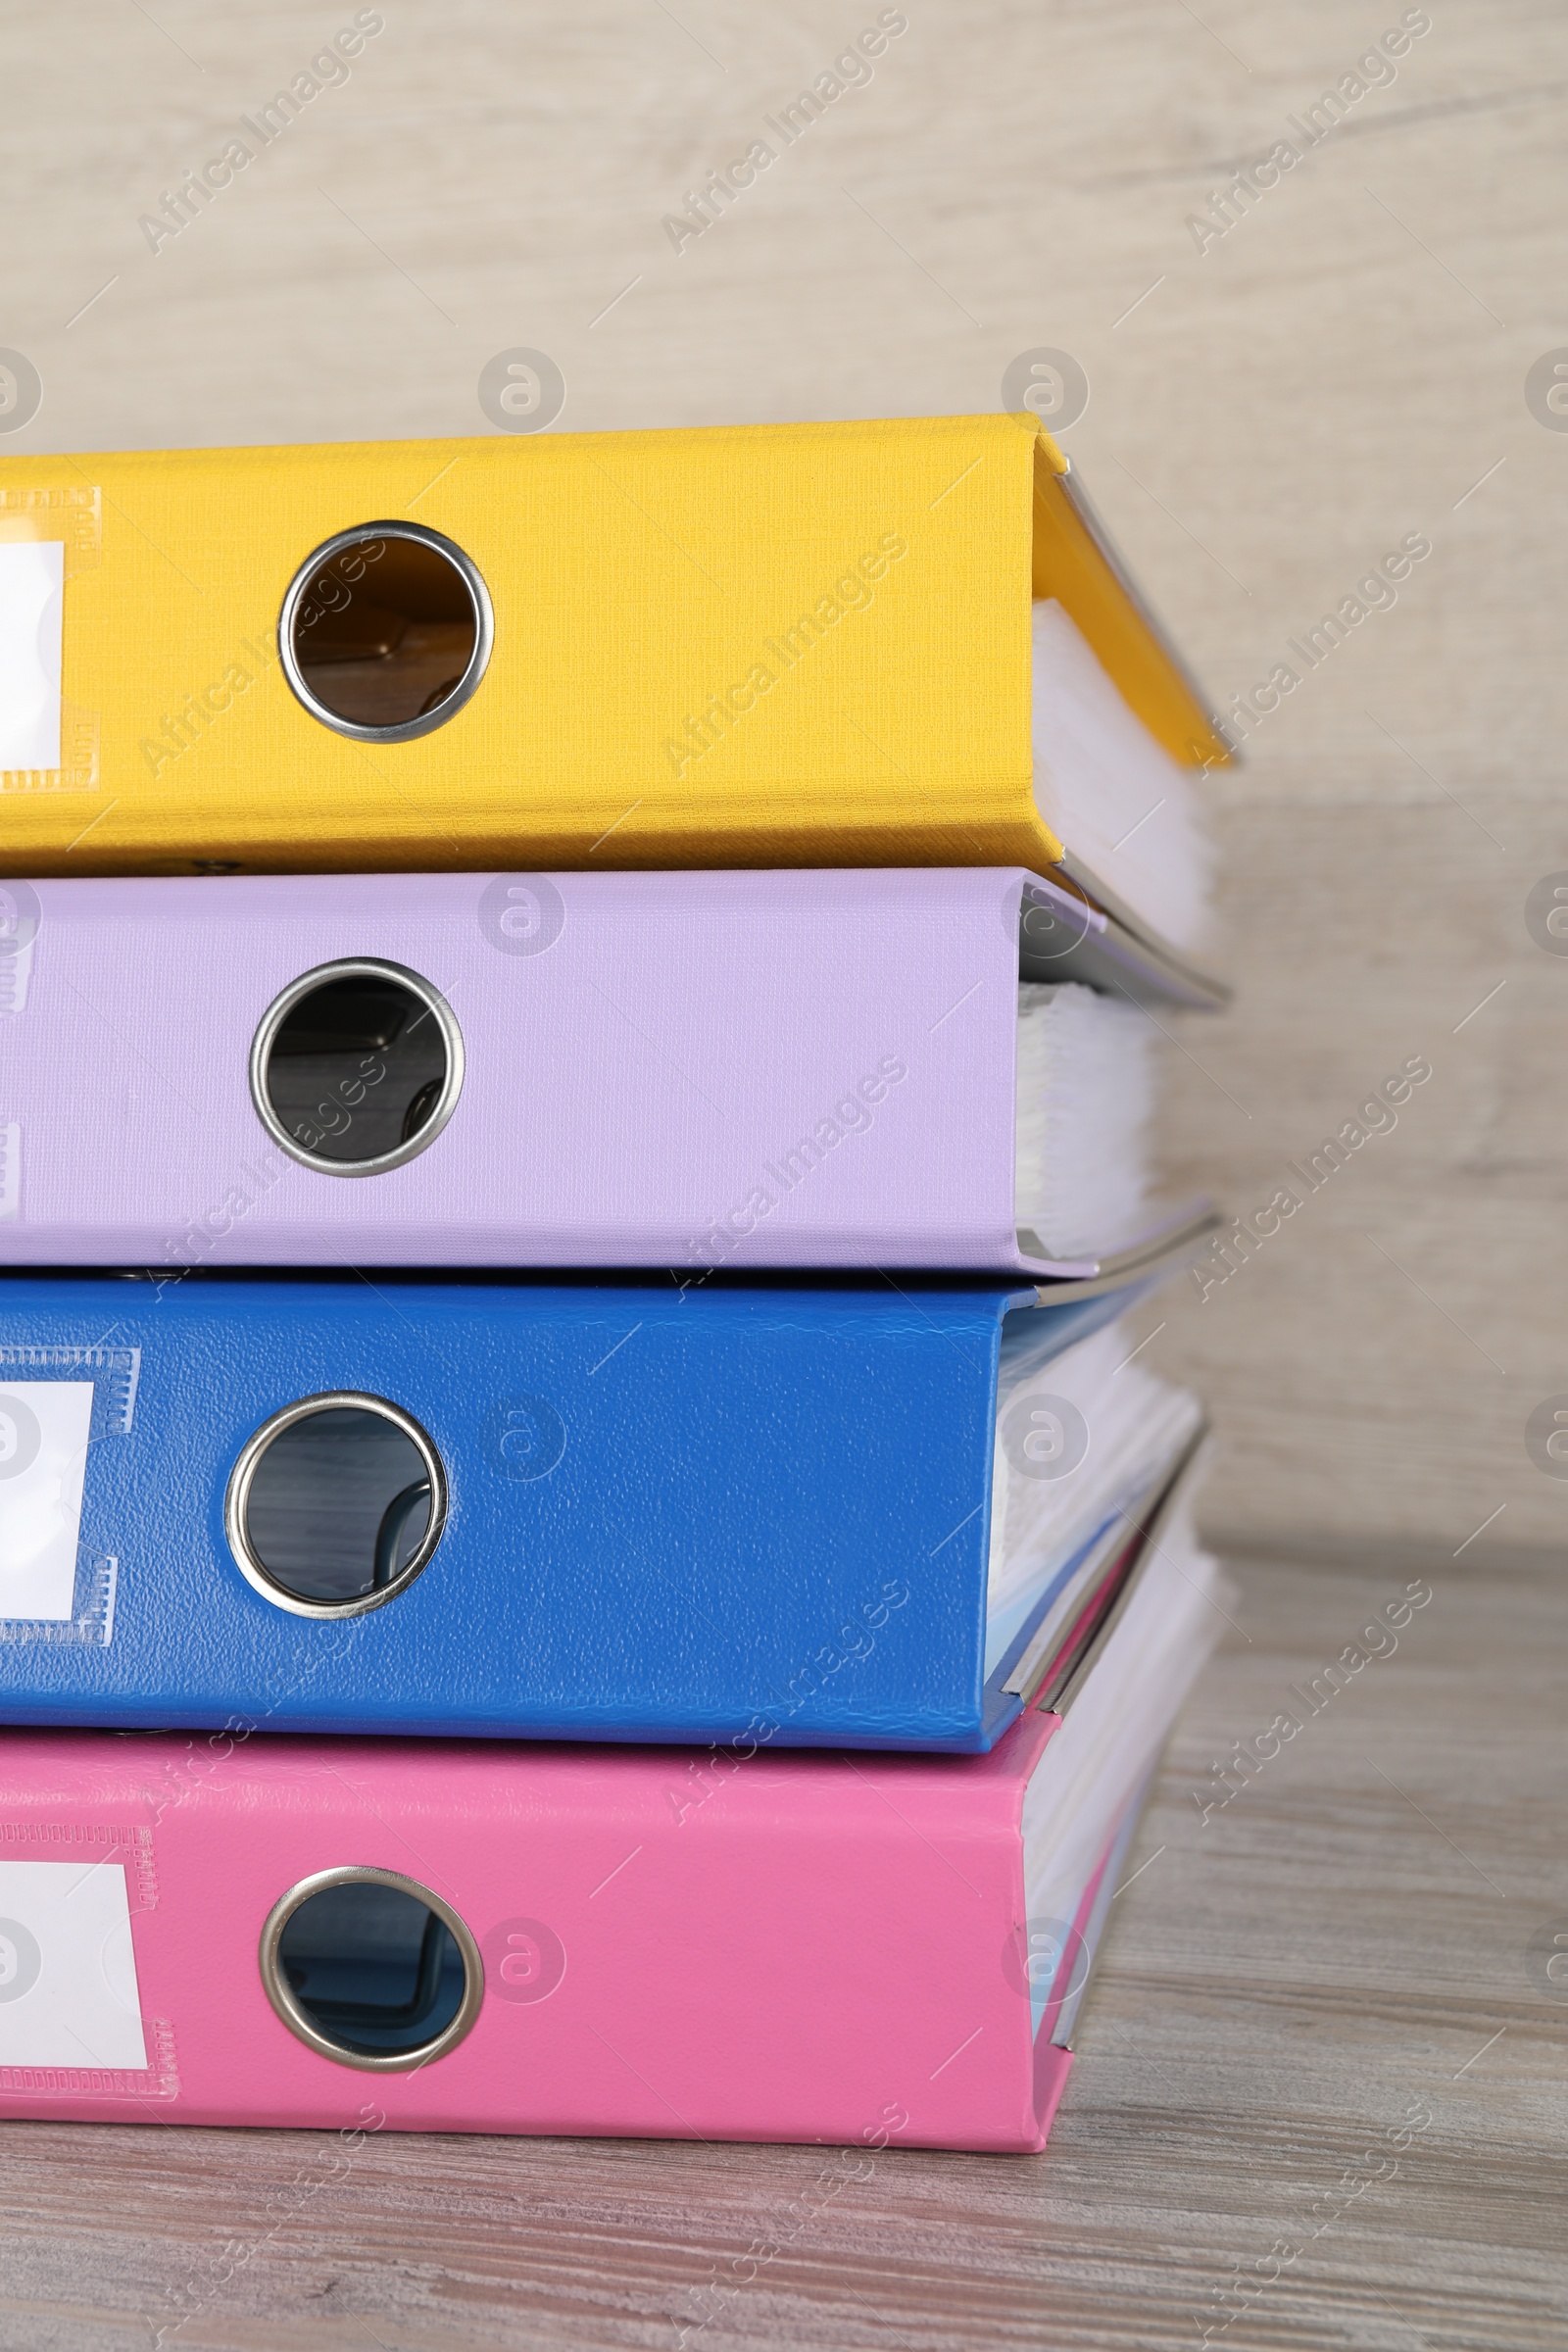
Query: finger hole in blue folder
335	1504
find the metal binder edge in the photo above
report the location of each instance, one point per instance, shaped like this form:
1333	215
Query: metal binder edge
1159	1253
1055	1697
1132	961
1113	1540
1026	1678
1105	949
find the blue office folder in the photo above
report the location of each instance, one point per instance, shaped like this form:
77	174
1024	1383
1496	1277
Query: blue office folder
629	1510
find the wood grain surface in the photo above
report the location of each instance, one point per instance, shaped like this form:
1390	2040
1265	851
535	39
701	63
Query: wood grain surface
1341	1952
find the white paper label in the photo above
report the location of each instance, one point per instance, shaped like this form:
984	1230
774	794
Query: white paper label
44	1427
33	578
67	1970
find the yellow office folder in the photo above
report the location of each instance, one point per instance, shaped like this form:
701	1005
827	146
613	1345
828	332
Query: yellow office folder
779	645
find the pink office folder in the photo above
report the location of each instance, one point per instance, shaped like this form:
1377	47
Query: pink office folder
655	1943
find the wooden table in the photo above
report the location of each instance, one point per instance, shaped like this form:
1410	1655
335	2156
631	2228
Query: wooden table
1340	1952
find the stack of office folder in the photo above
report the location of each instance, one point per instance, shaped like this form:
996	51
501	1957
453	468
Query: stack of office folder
577	1030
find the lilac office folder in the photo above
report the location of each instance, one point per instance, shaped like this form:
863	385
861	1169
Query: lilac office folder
692	1071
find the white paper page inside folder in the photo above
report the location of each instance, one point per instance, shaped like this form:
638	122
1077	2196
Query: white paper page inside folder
1137	844
1086	1076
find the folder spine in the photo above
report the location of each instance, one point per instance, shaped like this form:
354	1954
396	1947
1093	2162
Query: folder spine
744	1972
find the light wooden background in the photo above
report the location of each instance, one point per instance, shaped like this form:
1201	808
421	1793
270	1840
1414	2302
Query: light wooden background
1341	368
1347	365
